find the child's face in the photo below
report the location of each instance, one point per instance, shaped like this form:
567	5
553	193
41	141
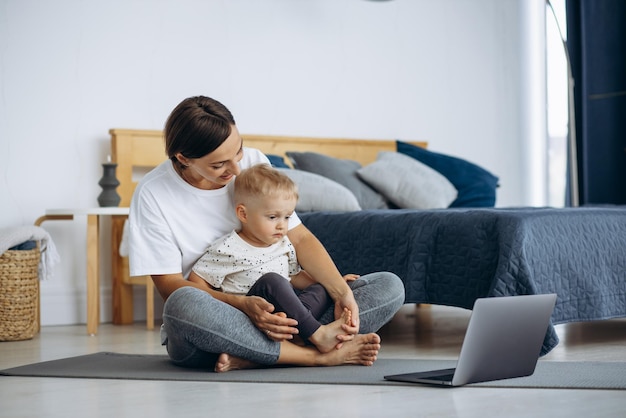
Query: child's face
267	220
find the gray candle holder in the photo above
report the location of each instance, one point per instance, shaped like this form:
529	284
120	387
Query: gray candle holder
109	183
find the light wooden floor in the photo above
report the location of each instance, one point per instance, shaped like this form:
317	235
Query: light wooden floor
416	332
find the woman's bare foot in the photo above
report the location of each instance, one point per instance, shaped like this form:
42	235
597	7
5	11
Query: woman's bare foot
226	362
363	350
325	338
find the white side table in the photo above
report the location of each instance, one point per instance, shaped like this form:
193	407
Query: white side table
93	261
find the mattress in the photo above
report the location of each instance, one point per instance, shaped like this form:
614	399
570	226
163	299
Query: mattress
454	256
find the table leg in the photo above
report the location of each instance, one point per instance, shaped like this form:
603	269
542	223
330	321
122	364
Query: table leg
122	290
93	273
38	222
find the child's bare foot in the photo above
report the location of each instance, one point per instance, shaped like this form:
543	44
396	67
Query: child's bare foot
363	350
226	362
326	339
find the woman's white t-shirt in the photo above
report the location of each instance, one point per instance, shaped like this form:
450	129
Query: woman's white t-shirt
172	223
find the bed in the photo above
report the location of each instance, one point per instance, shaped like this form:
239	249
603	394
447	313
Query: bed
455	254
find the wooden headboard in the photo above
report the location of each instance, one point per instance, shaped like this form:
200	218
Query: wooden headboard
132	148
364	151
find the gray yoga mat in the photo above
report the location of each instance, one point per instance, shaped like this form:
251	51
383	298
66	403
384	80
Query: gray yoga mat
105	365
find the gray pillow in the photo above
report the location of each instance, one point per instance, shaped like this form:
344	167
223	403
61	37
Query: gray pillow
341	171
317	193
408	183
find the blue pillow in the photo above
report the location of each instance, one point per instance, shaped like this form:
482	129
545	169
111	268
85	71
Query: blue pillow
277	161
476	186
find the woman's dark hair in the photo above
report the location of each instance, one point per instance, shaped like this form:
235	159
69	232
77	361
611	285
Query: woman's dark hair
197	127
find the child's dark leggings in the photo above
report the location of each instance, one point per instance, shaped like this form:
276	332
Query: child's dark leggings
305	306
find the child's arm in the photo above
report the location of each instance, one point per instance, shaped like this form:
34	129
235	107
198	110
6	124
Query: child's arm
350	277
302	280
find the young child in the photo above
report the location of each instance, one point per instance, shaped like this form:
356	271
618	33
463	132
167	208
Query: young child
259	259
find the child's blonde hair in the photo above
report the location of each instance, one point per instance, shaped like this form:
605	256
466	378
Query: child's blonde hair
261	180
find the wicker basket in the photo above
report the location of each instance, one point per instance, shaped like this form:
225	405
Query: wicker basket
19	291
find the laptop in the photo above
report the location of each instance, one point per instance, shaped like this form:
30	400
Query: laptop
503	340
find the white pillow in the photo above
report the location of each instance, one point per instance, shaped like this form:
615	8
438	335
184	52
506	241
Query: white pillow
408	183
318	193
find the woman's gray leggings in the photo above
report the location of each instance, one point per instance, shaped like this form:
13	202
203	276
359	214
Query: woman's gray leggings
197	328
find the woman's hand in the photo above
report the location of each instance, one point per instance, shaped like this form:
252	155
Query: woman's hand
276	325
347	302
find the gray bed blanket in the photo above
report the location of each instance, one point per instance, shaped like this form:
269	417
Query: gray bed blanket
453	256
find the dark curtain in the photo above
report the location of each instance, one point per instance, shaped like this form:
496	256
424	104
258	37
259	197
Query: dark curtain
596	40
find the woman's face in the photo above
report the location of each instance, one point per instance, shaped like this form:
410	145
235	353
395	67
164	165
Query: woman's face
216	169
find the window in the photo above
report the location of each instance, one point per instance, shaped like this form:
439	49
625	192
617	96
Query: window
557	98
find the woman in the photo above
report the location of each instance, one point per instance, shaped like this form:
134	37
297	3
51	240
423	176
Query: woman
185	204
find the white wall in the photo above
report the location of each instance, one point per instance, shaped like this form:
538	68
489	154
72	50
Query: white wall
451	72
